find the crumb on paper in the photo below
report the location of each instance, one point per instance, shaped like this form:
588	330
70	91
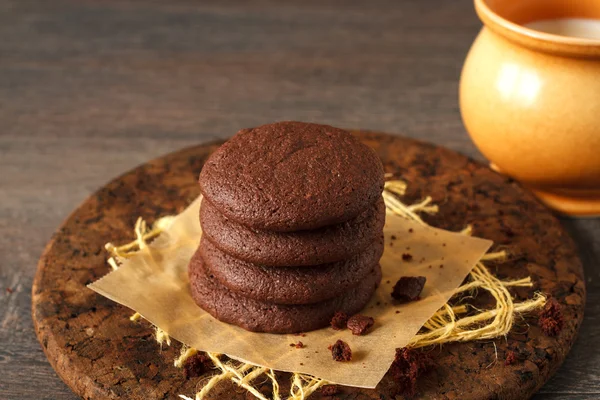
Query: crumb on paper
339	320
407	257
298	345
408	288
360	324
340	351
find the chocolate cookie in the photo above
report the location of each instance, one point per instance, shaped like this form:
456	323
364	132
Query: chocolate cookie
289	285
256	316
291	176
293	249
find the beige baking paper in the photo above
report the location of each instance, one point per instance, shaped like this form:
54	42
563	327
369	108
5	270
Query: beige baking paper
154	283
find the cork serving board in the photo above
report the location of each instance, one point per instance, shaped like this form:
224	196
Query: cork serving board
101	354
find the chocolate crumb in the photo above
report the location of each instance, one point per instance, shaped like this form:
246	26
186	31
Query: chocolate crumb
551	318
298	345
511	357
197	365
300	334
410	230
407	257
443	244
330	390
9	290
430	267
408	288
441	265
339	320
360	324
388	281
393	237
408	365
340	351
397	312
301	363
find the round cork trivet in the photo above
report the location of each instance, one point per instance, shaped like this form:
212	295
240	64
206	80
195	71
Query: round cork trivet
101	354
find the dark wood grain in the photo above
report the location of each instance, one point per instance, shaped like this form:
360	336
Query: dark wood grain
90	89
101	355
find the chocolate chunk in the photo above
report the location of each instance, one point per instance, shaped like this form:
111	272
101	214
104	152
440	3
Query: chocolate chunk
197	365
408	365
551	318
408	288
340	351
339	320
360	324
511	357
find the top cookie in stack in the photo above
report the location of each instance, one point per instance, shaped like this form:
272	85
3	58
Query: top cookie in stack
292	221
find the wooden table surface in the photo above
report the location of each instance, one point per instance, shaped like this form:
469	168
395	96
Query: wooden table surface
90	89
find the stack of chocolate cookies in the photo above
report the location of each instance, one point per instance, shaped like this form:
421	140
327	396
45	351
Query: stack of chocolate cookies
292	219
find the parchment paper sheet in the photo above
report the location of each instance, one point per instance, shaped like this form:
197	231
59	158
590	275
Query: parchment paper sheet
154	283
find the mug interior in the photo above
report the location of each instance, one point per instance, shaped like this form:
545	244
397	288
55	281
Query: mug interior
522	12
509	17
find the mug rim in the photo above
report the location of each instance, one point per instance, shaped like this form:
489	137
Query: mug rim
563	45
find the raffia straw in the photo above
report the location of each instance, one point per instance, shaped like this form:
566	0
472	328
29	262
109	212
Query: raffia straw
448	324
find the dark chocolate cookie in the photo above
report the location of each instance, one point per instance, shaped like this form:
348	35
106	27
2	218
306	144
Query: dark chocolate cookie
293	249
291	176
256	316
289	285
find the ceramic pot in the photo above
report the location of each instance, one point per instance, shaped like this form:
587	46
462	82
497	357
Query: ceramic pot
531	101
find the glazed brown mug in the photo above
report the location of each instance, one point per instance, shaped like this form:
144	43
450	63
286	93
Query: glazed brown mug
530	100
